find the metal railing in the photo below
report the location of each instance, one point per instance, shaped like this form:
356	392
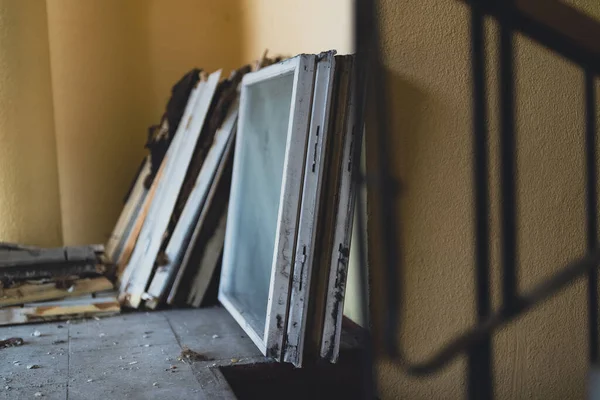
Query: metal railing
559	28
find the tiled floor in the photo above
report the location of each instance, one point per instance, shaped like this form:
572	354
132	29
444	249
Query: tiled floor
124	357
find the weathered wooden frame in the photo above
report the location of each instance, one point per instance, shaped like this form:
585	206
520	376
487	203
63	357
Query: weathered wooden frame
184	228
154	198
141	265
311	198
342	233
303	68
127	218
219	192
211	255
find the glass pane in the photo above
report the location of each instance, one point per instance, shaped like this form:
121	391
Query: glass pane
266	112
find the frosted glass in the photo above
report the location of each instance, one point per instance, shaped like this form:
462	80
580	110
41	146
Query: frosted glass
259	164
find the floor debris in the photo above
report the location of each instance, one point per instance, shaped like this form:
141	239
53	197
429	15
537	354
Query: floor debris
11	342
38	394
188	355
36	334
59	342
33	366
90	355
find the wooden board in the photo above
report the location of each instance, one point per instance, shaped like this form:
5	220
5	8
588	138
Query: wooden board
225	94
132	208
134	232
216	205
16	246
17	263
326	225
31	292
125	268
180	239
211	255
54	311
219	192
342	235
25	258
150	240
50	271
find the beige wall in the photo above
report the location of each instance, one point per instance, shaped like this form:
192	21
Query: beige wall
29	203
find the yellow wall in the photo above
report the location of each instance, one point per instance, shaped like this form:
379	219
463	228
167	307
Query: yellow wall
29	203
182	34
291	27
113	65
101	100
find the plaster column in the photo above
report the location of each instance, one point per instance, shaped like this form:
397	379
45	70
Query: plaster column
29	196
102	108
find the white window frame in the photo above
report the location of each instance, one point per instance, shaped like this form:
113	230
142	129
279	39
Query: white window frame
342	235
309	214
303	66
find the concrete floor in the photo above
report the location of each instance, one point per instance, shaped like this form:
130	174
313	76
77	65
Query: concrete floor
129	356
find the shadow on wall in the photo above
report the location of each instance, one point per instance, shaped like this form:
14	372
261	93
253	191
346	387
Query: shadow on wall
434	227
544	353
